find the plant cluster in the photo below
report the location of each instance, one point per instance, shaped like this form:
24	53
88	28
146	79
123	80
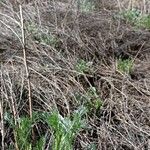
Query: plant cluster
137	18
90	100
125	66
64	129
67	95
86	5
41	36
83	67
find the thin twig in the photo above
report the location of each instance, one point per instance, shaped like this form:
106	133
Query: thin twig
12	106
25	61
2	121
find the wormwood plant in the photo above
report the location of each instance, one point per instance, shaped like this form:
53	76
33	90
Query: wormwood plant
92	147
23	132
135	17
65	128
43	37
90	100
94	99
144	21
131	15
86	5
83	67
125	66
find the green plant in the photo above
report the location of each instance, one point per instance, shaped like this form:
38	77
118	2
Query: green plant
131	15
86	5
136	18
32	28
23	132
42	37
83	67
40	144
8	118
93	100
90	100
49	39
65	129
144	21
92	147
125	66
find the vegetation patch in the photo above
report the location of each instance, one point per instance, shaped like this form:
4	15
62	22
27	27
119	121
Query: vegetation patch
74	79
137	18
65	129
90	100
125	66
86	5
42	35
83	67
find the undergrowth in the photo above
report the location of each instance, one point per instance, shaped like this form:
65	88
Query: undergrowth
64	129
83	96
86	5
137	18
125	66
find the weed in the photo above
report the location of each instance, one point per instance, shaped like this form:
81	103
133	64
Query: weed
125	66
131	15
83	67
87	5
23	132
50	39
32	28
144	21
90	100
65	129
138	19
8	118
40	144
92	147
43	37
94	101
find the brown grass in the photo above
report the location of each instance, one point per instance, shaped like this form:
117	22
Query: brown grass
123	121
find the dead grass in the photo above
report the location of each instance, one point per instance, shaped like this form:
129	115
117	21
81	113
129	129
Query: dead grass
123	121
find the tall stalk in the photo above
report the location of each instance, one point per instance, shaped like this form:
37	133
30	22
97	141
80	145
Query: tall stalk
25	60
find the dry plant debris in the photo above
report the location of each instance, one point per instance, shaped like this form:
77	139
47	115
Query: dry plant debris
89	72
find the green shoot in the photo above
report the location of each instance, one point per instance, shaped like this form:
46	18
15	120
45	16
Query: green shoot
138	19
65	129
87	5
125	66
90	100
83	66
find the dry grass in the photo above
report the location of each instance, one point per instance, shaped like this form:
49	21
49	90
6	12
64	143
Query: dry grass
57	38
